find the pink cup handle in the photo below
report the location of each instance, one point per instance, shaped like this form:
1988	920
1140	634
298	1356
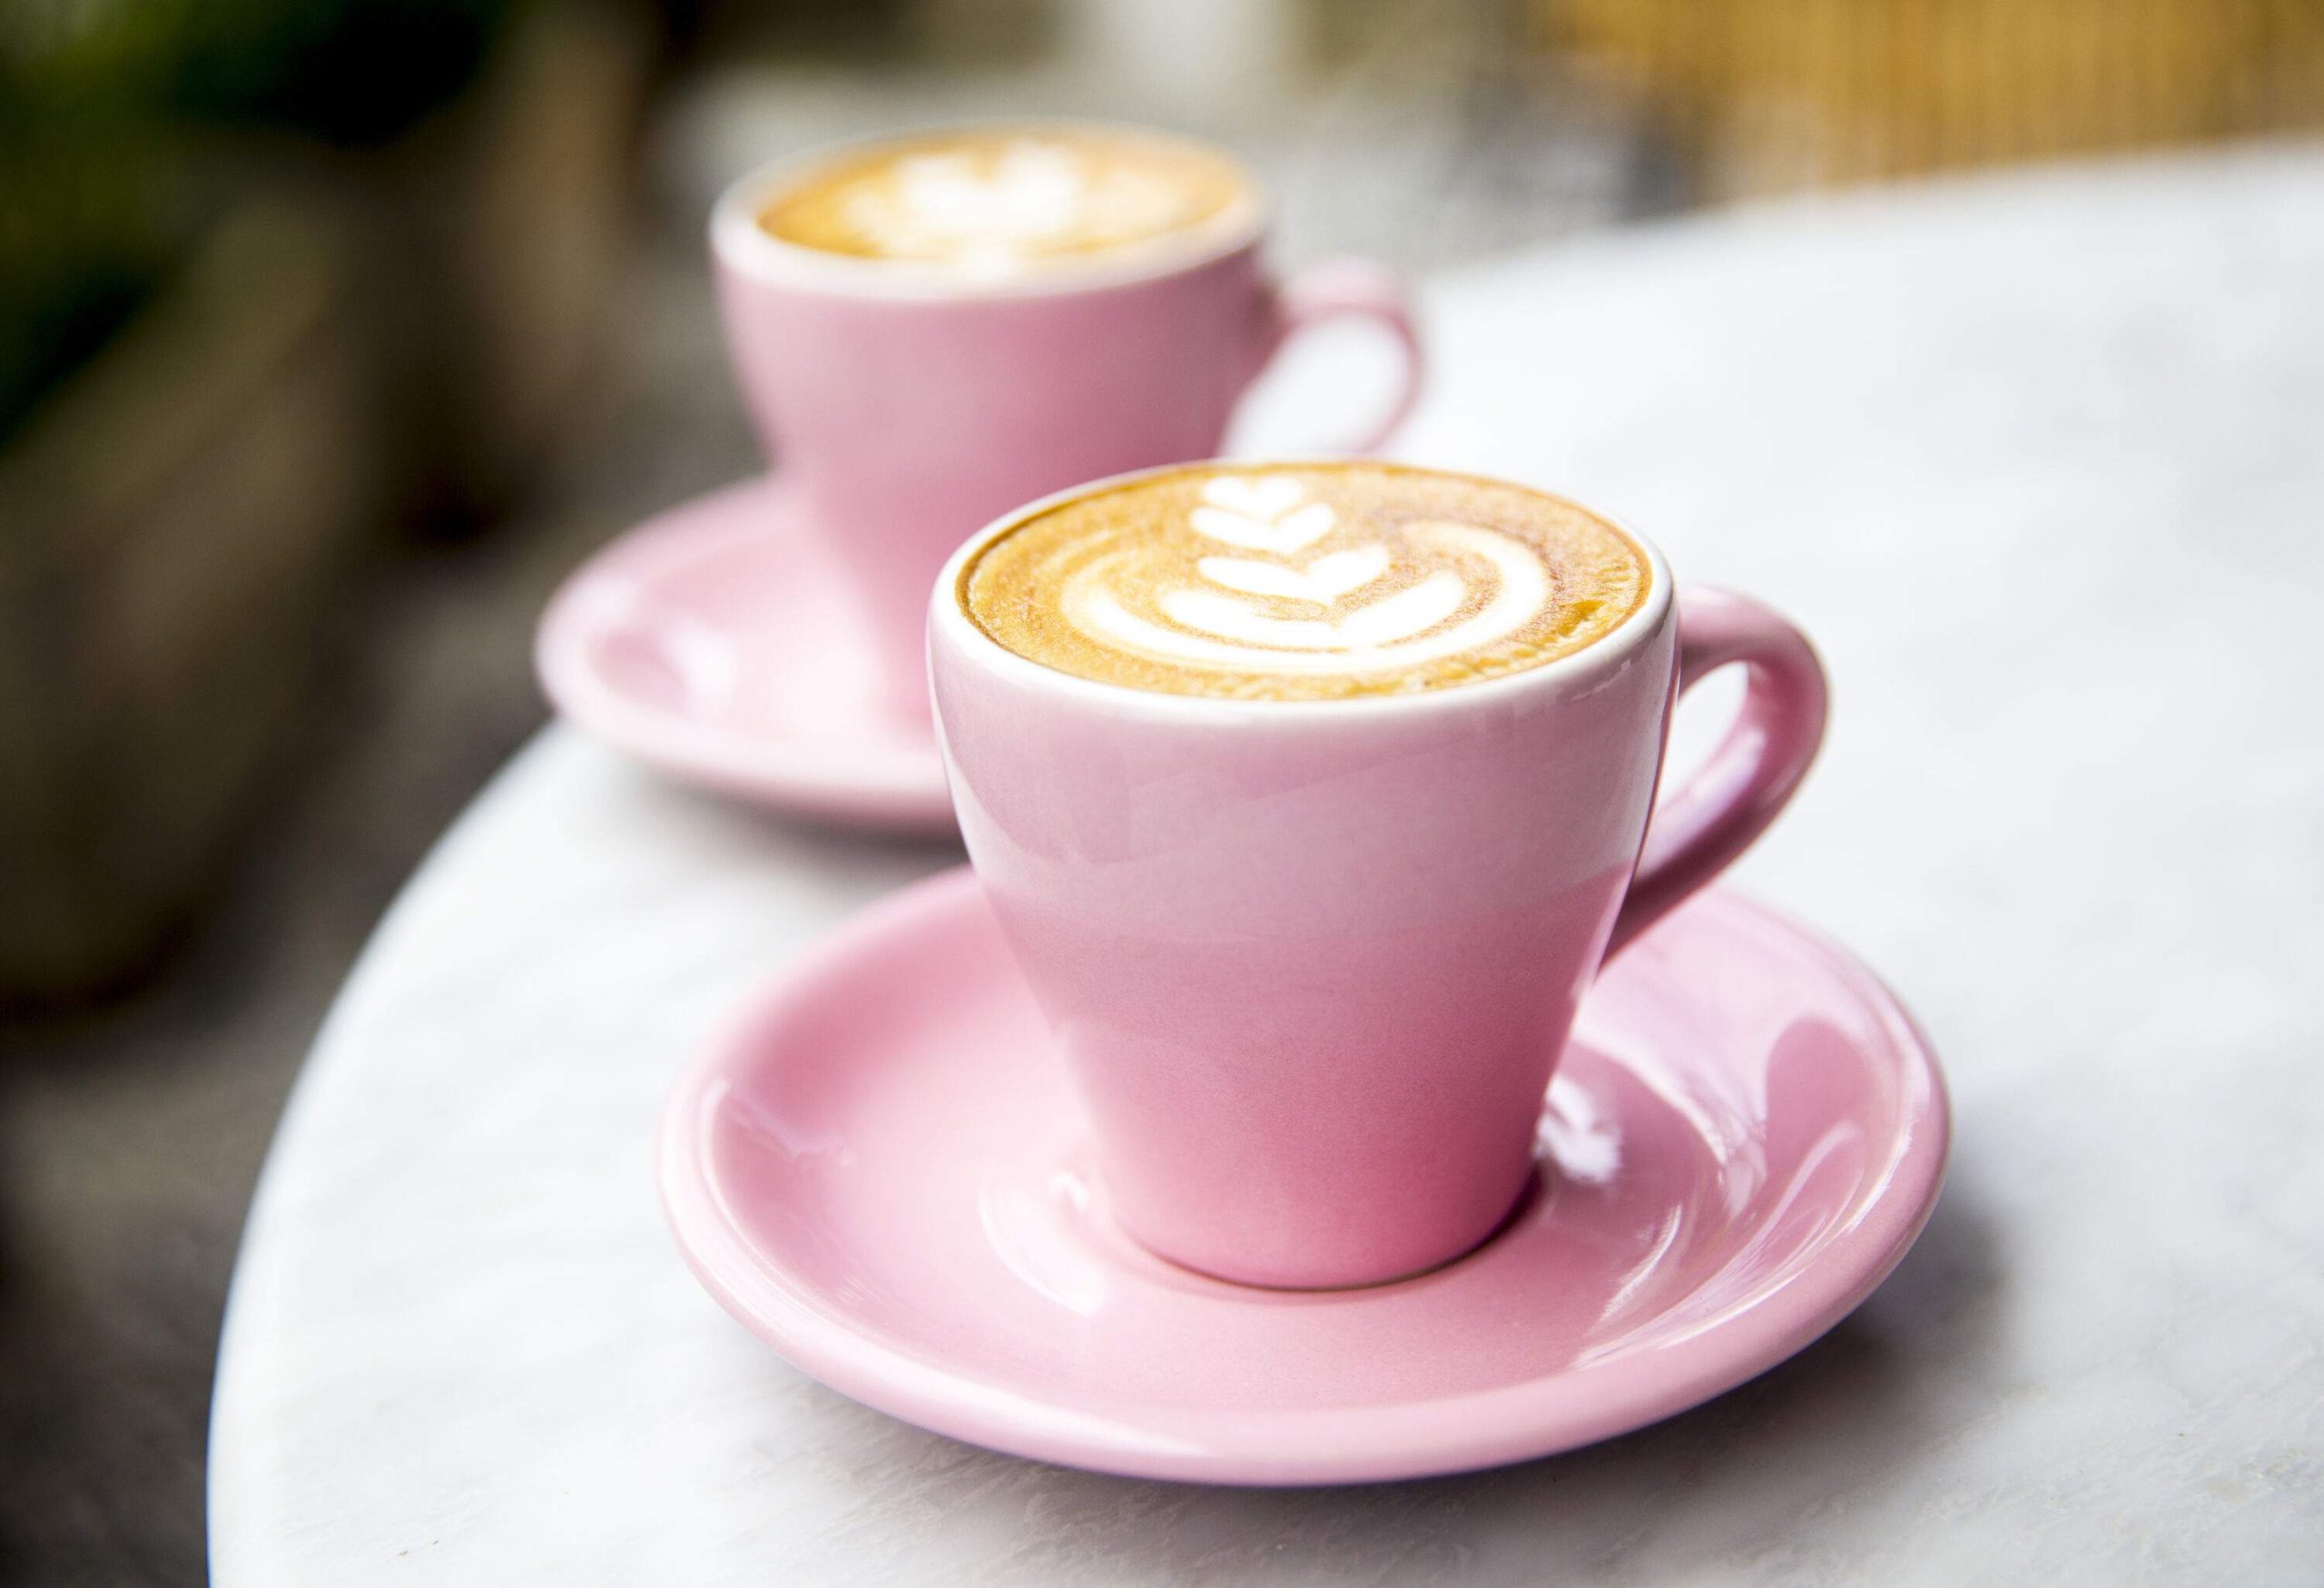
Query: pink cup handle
1700	826
1336	287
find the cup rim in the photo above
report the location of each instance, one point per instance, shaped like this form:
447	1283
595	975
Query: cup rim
739	242
948	622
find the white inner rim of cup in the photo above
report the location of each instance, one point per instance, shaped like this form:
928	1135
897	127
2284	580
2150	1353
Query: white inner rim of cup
949	619
736	236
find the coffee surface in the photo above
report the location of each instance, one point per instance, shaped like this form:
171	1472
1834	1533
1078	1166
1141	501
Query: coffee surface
1010	200
1307	582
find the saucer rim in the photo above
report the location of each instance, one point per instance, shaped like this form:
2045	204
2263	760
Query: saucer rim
1470	1430
884	784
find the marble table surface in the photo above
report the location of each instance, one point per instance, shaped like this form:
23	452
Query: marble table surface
2040	460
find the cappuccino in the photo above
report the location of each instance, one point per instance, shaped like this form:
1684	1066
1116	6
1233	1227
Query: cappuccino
1304	582
1011	201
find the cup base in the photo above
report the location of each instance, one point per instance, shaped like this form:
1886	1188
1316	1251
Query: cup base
1532	1187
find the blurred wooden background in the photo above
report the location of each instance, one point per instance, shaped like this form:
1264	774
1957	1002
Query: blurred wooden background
1767	95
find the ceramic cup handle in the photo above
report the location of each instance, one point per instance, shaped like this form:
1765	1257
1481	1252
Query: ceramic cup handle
1337	288
1704	823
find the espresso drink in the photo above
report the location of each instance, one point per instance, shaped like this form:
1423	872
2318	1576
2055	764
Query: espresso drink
1006	201
1304	582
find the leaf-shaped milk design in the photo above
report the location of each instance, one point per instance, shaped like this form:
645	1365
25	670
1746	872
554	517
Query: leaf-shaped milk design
1270	513
1322	581
1386	622
1422	623
1261	513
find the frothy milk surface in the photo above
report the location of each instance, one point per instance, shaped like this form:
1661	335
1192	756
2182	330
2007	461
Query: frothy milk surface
1011	201
1311	582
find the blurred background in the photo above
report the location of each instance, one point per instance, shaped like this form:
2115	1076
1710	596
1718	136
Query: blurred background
333	332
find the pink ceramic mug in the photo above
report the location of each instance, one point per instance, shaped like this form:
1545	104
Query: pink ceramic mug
1313	962
908	409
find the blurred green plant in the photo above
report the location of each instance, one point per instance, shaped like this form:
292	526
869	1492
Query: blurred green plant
78	251
350	72
98	98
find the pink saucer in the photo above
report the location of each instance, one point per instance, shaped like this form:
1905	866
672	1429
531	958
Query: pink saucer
881	1171
710	643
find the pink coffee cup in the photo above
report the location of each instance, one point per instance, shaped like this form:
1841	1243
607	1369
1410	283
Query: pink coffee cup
907	408
1312	963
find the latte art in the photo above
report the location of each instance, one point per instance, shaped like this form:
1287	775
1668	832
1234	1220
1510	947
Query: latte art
1216	623
1000	203
1303	583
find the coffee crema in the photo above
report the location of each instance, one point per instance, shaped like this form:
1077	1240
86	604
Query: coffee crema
1005	201
1304	582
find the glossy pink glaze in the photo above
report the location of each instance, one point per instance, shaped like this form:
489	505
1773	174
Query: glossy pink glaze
883	1172
908	418
715	643
1699	827
1312	964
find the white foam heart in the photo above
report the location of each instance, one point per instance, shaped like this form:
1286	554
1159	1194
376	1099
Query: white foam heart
1032	191
1264	496
1295	531
1322	581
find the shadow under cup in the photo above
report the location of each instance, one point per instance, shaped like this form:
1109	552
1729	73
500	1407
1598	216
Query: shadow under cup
906	409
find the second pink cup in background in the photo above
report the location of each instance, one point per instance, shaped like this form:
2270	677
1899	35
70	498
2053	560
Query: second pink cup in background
906	410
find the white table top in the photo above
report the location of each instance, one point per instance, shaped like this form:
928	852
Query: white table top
2041	462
